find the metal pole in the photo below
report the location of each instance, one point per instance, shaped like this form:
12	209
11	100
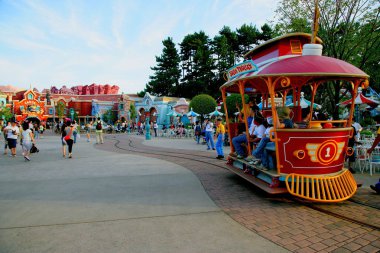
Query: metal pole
53	116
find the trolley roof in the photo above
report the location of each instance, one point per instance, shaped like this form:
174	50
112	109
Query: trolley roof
301	69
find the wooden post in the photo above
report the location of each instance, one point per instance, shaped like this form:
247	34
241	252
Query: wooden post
314	87
241	89
352	107
227	119
271	86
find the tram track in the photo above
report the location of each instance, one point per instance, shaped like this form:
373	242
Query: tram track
182	155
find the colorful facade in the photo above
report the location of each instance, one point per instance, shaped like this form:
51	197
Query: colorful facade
158	108
50	105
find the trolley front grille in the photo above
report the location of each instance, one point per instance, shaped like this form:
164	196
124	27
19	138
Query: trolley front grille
322	189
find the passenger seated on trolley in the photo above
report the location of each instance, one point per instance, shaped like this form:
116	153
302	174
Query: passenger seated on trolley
257	154
237	141
306	115
251	106
258	134
283	121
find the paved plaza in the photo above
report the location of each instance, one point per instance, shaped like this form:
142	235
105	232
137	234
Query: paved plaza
349	226
110	202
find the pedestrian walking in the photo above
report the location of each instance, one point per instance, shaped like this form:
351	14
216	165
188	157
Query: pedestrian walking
99	132
75	133
352	158
209	134
70	131
27	140
197	131
87	128
64	143
5	138
12	134
155	128
220	131
36	131
42	129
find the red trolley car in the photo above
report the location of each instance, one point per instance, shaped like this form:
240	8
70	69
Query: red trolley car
310	162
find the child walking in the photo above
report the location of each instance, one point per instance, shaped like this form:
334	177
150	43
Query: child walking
220	131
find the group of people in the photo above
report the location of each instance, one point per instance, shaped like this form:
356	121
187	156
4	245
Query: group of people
12	133
207	129
69	133
259	136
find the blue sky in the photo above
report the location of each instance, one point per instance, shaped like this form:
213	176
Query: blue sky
45	43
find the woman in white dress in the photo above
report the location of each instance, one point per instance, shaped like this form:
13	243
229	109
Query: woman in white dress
27	140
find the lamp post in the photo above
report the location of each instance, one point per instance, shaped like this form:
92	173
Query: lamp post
129	122
53	116
72	113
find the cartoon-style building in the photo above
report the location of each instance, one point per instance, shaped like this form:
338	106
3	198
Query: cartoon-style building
158	108
89	102
85	103
27	105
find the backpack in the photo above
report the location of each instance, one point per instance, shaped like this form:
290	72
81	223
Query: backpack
99	126
198	130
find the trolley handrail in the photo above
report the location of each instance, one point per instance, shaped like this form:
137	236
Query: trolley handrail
330	121
337	129
272	138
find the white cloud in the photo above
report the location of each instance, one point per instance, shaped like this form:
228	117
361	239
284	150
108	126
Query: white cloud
81	42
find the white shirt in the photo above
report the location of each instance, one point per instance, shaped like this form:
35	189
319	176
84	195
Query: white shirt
259	131
209	127
252	127
10	130
155	125
267	131
26	135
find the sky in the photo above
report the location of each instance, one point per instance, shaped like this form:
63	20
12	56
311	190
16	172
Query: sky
80	42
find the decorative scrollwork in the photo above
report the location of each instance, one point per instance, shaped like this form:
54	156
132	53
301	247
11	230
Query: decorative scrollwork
285	82
225	76
350	151
364	84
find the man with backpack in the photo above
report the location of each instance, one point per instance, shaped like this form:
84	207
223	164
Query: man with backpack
99	131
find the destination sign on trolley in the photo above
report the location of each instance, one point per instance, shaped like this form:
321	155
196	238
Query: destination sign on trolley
241	68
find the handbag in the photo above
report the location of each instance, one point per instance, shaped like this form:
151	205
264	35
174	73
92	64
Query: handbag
34	149
68	136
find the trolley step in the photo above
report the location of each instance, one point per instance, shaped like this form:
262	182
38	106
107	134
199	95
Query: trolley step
257	182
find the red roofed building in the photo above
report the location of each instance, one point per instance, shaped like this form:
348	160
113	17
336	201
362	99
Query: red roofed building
86	102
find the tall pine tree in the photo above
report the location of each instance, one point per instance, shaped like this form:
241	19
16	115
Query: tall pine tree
165	80
197	65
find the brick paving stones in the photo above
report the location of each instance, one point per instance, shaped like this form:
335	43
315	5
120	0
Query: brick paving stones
279	219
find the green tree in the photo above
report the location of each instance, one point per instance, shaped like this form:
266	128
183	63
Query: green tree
233	45
231	102
132	110
197	65
267	33
203	104
350	31
6	113
248	36
60	108
224	48
165	80
141	94
109	116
